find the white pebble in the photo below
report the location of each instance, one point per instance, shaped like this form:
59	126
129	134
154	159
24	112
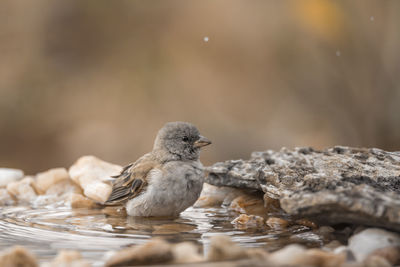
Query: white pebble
206	39
9	175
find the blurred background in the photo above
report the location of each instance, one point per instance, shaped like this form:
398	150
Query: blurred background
101	77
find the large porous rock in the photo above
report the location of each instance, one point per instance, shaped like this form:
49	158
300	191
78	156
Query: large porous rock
339	184
93	175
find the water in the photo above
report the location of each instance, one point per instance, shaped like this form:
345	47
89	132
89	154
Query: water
94	232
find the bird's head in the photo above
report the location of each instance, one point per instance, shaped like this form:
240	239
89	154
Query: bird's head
181	140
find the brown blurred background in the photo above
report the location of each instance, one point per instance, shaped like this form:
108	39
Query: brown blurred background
101	77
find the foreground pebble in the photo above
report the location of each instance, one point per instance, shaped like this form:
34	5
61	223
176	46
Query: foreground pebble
93	174
222	248
155	251
17	257
68	258
9	175
367	241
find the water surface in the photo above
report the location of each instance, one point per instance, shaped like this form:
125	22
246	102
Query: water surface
94	232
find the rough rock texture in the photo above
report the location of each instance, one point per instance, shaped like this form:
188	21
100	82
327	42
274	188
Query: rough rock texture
339	184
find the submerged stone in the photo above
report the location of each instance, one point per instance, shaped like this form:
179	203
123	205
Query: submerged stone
245	221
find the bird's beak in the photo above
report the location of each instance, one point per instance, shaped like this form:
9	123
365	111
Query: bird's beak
201	142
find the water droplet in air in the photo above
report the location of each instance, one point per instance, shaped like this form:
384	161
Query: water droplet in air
372	18
338	53
206	39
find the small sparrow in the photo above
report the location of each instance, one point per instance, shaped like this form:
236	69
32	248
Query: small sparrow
167	180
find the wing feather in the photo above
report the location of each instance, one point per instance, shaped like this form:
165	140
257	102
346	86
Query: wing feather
131	181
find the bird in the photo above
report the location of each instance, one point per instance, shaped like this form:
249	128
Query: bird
166	181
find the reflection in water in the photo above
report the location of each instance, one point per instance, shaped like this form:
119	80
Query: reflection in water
95	231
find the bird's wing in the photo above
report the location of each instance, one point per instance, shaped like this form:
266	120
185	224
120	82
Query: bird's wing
131	181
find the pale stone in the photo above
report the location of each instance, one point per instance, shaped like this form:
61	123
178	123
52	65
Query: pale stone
79	201
245	221
222	248
9	175
45	180
65	187
154	251
296	255
391	254
93	175
376	261
23	190
288	255
186	252
5	197
68	258
371	239
214	196
17	256
277	223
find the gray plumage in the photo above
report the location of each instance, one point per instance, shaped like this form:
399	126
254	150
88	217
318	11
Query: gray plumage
167	180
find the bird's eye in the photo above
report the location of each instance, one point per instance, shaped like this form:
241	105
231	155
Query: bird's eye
185	139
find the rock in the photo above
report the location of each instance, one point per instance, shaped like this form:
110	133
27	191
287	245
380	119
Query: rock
245	221
249	204
23	190
68	258
155	251
223	249
333	245
307	223
5	197
9	175
65	187
391	254
93	174
45	180
75	201
288	255
296	255
277	223
376	261
367	241
214	196
60	194
17	256
337	185
186	252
